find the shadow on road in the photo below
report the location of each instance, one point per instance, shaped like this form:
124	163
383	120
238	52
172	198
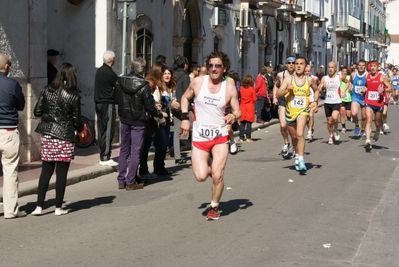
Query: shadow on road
229	207
89	203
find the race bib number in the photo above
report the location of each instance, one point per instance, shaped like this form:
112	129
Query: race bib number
331	95
210	131
298	102
358	89
395	83
374	96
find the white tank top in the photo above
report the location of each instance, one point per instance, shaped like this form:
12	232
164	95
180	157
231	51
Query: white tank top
333	90
209	113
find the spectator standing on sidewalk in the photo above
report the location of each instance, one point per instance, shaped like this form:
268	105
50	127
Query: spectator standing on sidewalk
261	93
161	137
135	106
12	100
104	99
154	77
59	109
247	106
182	83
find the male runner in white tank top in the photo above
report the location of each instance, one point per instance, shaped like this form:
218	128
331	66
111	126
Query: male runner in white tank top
210	138
332	102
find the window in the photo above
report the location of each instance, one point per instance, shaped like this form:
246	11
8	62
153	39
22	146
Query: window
144	46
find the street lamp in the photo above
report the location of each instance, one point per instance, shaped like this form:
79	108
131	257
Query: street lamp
327	39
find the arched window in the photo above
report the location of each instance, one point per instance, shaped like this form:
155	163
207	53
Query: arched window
144	46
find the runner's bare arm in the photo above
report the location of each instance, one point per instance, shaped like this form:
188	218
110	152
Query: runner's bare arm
233	103
275	88
284	88
387	83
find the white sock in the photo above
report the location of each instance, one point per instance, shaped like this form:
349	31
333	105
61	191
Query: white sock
300	157
214	204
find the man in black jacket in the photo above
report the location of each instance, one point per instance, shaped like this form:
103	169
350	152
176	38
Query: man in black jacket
105	107
135	106
183	81
12	100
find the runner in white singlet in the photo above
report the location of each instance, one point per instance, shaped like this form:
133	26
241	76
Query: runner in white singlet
211	95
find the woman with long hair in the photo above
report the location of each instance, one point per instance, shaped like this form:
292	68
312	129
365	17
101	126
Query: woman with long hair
154	77
59	109
161	138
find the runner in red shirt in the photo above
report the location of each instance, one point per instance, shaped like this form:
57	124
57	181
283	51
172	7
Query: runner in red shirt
376	84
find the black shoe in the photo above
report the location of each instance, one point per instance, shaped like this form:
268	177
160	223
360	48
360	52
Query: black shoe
121	186
20	214
180	161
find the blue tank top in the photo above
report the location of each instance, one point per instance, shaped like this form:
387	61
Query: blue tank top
395	80
357	85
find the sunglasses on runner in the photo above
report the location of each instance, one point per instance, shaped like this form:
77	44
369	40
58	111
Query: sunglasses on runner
290	63
217	66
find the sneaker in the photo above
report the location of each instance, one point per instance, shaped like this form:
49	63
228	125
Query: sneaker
382	132
301	165
376	136
363	136
110	163
336	135
296	163
357	131
59	212
37	211
286	150
148	176
213	214
330	140
309	136
367	145
180	161
343	130
249	140
385	126
233	147
241	140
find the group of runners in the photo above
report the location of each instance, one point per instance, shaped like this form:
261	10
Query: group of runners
364	91
296	92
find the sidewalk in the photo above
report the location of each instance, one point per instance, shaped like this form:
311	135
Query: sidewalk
85	166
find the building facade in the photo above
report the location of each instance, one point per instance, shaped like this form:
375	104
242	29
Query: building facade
253	33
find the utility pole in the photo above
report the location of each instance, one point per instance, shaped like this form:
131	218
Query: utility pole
126	11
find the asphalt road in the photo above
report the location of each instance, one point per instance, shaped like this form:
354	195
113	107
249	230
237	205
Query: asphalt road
341	212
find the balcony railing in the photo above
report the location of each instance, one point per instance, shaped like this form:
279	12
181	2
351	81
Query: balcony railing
346	22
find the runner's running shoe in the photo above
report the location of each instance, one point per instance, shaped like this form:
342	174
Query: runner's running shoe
213	214
363	136
385	126
336	135
286	150
309	136
301	165
368	146
330	140
233	147
357	131
376	136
